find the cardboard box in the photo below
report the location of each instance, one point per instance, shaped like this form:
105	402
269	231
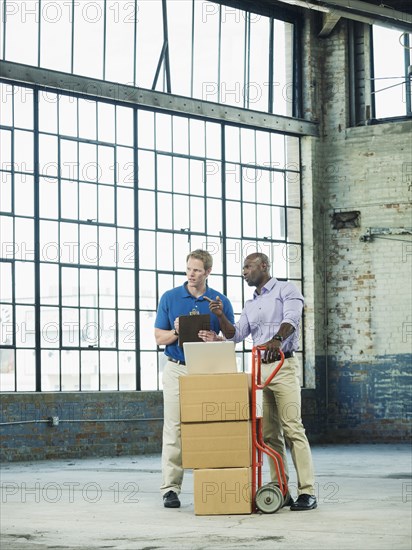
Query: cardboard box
216	445
223	491
214	397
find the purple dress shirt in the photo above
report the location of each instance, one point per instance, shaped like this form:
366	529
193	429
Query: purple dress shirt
279	302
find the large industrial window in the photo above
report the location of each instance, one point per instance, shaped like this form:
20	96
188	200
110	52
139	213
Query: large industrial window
392	72
194	48
100	204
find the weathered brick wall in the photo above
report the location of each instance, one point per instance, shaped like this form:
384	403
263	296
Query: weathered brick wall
362	295
90	424
94	424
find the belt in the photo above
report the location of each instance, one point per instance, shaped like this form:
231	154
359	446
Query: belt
287	354
175	360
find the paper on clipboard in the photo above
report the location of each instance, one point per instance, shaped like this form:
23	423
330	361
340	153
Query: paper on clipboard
189	326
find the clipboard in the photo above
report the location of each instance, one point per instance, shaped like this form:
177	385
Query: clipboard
189	326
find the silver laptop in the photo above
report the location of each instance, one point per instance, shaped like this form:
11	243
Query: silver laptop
210	357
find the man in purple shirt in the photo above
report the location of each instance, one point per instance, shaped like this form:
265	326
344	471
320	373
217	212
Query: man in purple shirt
272	318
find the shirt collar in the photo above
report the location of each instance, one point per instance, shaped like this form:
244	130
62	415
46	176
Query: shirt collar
266	288
184	293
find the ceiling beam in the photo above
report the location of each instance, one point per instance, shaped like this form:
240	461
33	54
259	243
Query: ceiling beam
370	9
94	89
358	11
330	21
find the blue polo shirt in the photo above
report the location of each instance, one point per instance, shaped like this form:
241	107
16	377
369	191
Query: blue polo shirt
178	301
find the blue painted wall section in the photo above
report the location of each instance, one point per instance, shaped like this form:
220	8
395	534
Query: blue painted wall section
369	401
90	424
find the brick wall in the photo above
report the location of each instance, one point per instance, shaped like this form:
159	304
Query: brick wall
90	424
361	291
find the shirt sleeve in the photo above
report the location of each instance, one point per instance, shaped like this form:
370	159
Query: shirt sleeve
228	310
242	328
292	305
162	316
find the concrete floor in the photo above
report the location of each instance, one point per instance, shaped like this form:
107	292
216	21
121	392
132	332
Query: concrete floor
364	493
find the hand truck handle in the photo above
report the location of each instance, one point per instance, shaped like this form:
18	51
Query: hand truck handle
256	357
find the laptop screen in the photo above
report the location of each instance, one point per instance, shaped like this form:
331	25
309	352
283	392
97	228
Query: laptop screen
210	357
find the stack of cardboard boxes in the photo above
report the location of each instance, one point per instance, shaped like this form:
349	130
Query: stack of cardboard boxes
216	441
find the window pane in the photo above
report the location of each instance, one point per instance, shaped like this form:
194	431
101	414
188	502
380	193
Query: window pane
107	328
49	328
389	72
23	151
88	38
107	288
22	21
164	211
257	90
282	68
90	370
120	27
179	17
87	120
125	207
147	250
181	212
48	160
148	374
26	370
126	282
70	286
88	288
163	132
127	329
70	327
147	290
5	192
50	368
108	370
6	325
23	107
25	336
125	166
145	128
70	365
149	41
206	53
106	122
106	204
24	238
232	62
23	195
56	36
127	370
6	111
49	242
49	284
48	103
124	125
7	370
67	115
69	200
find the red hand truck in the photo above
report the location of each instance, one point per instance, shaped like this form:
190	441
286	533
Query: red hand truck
271	497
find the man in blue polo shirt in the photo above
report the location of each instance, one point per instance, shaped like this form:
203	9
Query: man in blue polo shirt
183	300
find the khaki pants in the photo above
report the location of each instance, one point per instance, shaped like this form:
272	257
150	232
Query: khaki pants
172	471
282	421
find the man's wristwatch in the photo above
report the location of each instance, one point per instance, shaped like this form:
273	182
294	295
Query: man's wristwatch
175	332
278	337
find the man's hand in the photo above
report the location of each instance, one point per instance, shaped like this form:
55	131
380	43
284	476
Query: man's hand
209	336
272	351
215	306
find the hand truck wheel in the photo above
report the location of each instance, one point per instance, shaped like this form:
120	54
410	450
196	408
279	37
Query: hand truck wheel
269	499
